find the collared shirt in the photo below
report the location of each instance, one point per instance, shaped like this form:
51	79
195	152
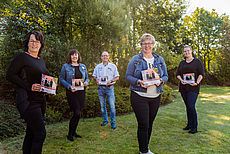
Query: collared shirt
109	70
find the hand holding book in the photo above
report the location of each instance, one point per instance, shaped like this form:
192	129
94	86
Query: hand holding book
36	87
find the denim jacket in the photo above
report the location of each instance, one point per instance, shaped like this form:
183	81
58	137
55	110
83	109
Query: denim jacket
68	73
137	64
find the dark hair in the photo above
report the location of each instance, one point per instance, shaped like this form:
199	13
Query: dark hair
71	52
39	36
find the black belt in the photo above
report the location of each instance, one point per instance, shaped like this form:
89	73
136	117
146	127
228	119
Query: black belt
105	85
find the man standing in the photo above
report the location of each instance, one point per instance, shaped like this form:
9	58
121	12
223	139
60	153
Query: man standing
106	75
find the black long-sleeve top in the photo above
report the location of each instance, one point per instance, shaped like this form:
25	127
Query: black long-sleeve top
26	70
196	67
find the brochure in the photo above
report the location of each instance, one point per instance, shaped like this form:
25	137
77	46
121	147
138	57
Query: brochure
103	80
49	84
189	78
78	84
151	77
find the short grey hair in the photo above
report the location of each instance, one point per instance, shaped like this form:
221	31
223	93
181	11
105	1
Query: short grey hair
147	36
187	46
104	52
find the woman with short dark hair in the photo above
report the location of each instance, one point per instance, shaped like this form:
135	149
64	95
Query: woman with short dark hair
25	71
73	69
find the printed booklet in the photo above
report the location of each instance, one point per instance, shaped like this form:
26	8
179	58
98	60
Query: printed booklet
189	78
78	84
150	77
103	80
49	84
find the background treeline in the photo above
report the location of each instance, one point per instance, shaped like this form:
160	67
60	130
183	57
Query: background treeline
94	26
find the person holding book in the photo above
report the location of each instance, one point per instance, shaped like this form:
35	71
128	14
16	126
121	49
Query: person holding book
106	75
25	71
146	95
190	72
71	71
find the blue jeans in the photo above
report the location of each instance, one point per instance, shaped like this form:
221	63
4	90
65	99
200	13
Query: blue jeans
108	92
190	102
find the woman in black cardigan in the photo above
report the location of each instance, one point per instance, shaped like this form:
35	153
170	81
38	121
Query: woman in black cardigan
25	71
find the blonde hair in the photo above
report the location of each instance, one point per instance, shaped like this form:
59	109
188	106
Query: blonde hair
147	36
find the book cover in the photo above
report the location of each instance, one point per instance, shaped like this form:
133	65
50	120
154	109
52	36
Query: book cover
189	78
150	76
49	84
78	84
103	80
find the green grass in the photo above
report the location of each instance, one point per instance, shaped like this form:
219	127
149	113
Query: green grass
213	107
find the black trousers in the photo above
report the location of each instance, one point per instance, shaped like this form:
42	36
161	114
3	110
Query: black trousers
76	102
35	131
145	110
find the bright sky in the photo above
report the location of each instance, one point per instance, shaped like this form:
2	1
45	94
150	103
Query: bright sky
221	6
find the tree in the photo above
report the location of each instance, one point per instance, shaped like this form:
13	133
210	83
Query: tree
204	30
90	26
223	57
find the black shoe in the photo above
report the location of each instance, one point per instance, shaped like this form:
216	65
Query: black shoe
70	138
187	128
76	135
104	123
193	131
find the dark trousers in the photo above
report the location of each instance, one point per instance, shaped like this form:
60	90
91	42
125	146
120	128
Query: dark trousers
76	102
190	102
145	110
35	131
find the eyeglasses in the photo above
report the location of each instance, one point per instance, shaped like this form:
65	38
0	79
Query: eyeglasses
36	42
147	44
105	55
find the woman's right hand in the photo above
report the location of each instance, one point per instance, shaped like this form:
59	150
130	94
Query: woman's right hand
36	87
182	81
72	89
142	84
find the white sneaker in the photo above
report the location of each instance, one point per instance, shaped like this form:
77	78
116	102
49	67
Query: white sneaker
149	152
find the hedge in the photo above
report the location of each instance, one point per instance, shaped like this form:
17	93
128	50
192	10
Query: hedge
58	108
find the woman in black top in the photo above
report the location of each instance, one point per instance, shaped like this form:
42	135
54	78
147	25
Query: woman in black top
25	71
190	73
73	69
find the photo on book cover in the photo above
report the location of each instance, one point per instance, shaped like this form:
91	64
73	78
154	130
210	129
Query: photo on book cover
103	80
78	84
189	78
151	76
49	84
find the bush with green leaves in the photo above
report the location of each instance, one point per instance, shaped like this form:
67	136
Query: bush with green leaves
10	122
58	108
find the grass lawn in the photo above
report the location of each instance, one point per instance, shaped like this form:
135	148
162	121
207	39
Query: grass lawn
213	107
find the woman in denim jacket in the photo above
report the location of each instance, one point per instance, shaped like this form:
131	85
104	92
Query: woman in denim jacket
73	69
145	100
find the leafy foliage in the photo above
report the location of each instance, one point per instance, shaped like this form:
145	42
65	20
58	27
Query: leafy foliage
10	122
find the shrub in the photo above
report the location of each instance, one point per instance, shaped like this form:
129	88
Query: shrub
58	108
10	122
166	96
58	104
